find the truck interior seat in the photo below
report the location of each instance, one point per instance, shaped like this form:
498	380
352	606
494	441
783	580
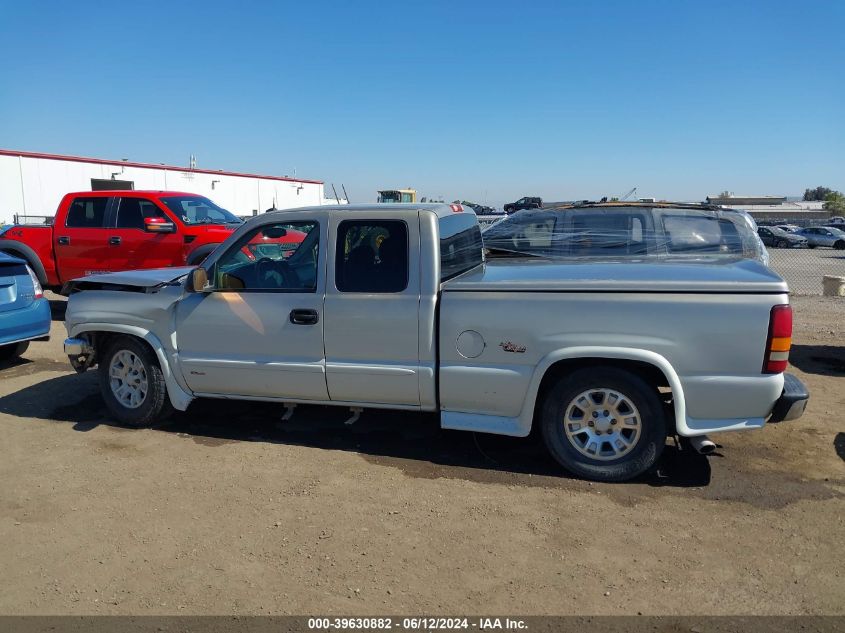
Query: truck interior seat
393	264
359	267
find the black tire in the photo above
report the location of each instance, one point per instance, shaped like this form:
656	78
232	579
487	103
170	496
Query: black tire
811	245
155	406
840	245
637	460
10	352
783	244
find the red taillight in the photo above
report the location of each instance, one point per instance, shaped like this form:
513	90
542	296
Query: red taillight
37	290
457	208
779	340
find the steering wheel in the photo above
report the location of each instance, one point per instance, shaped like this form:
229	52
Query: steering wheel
266	268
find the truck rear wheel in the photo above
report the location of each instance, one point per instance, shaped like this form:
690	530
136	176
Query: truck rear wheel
603	423
132	383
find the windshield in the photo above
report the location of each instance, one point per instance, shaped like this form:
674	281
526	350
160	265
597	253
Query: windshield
621	231
199	210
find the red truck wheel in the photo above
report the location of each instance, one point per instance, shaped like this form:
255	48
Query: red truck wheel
22	251
198	256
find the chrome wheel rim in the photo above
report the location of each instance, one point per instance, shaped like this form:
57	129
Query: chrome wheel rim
602	424
128	379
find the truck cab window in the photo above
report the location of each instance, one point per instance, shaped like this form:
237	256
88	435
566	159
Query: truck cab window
461	247
87	213
372	256
131	212
274	257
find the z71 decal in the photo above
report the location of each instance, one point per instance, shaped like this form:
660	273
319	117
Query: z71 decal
508	346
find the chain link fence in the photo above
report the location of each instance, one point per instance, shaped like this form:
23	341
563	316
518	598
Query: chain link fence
804	268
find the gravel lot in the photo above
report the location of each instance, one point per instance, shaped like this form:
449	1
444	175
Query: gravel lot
226	510
803	268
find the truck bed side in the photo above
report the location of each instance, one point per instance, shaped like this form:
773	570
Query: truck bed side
34	244
709	345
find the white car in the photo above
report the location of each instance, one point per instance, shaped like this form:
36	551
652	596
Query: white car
824	236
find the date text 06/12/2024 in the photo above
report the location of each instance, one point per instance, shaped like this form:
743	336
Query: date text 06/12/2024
416	624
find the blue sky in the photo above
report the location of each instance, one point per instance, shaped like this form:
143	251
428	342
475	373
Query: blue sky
473	100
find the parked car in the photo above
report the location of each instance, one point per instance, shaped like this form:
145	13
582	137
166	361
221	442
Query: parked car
394	307
789	228
103	231
479	209
824	236
777	237
528	202
24	312
628	229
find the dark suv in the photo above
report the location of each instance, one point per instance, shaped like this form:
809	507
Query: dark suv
626	229
527	202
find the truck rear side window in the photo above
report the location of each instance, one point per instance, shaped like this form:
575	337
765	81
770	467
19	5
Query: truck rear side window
87	213
372	256
461	247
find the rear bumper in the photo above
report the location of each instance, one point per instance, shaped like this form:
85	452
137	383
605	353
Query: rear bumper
792	402
32	322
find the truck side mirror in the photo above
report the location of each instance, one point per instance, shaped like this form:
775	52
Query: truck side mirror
158	225
199	281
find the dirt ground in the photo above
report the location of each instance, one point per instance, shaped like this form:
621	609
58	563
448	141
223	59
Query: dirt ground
226	510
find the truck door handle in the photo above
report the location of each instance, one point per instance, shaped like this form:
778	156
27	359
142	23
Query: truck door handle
299	316
64	240
114	241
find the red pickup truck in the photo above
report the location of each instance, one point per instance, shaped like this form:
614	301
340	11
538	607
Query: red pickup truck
105	231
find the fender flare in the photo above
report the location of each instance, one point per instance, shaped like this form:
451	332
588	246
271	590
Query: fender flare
526	417
179	394
199	254
25	252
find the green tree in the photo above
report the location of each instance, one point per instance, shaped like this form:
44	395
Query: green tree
835	203
819	193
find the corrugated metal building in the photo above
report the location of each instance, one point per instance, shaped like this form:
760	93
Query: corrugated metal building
32	184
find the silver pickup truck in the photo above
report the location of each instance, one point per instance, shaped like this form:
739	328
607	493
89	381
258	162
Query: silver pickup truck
394	306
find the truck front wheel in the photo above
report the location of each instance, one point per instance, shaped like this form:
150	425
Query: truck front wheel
603	423
132	383
200	254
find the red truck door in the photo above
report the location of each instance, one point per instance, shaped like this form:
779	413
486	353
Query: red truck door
132	245
81	245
